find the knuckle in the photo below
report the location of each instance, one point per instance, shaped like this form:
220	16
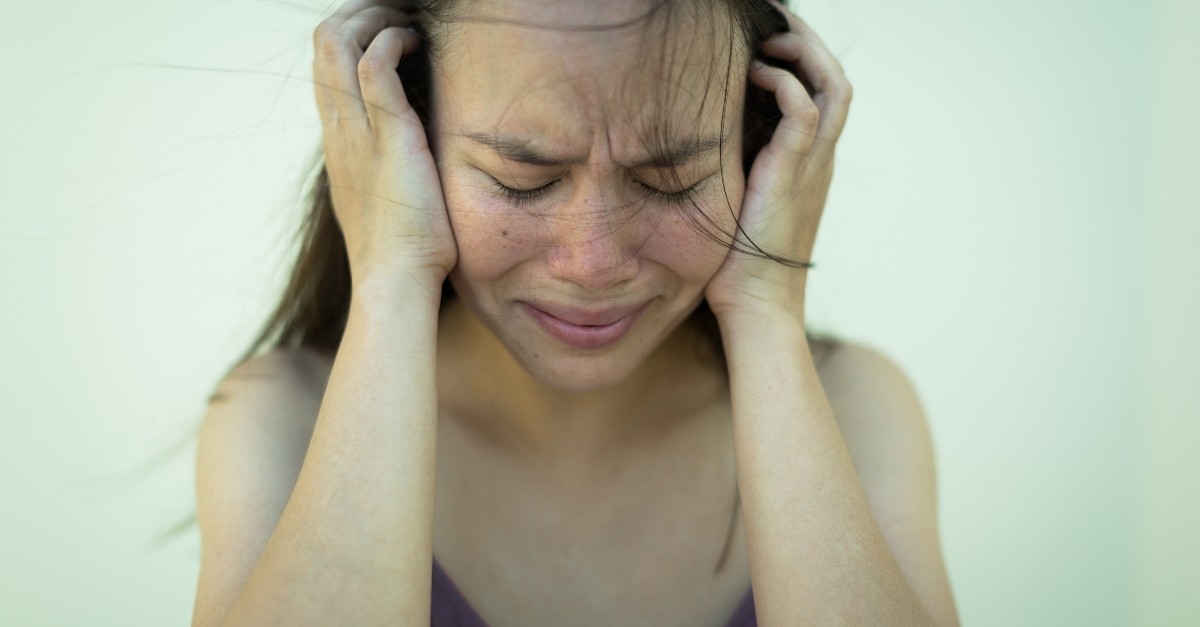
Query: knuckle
323	32
332	41
842	88
809	115
806	115
330	47
371	68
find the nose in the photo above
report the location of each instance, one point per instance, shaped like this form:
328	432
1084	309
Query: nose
597	250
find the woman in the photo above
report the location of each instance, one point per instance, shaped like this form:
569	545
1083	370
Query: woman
539	212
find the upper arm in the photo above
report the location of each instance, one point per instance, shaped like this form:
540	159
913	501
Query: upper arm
249	451
885	431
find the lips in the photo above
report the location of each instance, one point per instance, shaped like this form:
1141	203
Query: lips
584	316
584	327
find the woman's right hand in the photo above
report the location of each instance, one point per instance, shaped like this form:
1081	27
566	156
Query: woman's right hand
385	188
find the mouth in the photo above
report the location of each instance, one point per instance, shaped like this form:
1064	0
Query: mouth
583	328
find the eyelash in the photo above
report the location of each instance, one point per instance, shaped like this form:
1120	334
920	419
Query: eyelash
524	197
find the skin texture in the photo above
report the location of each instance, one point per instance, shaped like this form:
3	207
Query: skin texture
838	510
597	238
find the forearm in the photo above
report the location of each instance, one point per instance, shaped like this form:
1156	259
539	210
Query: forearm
816	555
354	544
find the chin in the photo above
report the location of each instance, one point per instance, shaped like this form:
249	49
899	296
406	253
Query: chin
580	374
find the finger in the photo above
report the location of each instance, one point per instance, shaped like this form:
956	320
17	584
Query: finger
383	96
805	57
797	128
801	28
366	24
349	9
339	45
832	91
335	83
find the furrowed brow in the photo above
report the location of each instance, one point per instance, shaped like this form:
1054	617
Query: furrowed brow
679	154
521	151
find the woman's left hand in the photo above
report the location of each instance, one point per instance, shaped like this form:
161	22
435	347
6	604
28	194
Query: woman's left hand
789	178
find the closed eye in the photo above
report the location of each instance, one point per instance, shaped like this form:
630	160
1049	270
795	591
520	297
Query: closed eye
674	199
525	197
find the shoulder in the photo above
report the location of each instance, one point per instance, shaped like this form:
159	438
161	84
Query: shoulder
250	448
878	411
886	433
279	370
857	377
262	415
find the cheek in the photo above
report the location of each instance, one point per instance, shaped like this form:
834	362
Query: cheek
692	243
491	236
701	237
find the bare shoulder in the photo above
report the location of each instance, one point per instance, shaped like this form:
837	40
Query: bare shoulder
882	422
886	433
858	378
290	370
250	447
275	395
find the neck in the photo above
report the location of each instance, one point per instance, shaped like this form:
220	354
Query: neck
492	395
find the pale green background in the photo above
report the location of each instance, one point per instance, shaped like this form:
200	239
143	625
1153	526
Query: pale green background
1013	219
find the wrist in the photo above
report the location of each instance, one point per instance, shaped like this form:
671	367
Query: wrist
760	326
399	288
759	304
758	287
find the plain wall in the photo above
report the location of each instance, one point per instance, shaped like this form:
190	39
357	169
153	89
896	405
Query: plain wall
1166	568
1013	220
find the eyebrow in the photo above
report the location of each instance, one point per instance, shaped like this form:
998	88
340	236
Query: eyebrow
522	151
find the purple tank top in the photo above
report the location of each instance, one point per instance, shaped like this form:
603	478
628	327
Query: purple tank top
451	609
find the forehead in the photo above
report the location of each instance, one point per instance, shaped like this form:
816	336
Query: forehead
570	71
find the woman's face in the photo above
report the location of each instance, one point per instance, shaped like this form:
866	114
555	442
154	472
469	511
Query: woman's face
586	267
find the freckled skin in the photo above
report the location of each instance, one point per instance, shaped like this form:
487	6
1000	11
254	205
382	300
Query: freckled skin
595	240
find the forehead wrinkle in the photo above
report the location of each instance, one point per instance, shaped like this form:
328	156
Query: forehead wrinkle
517	149
523	145
521	150
690	50
559	16
681	57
